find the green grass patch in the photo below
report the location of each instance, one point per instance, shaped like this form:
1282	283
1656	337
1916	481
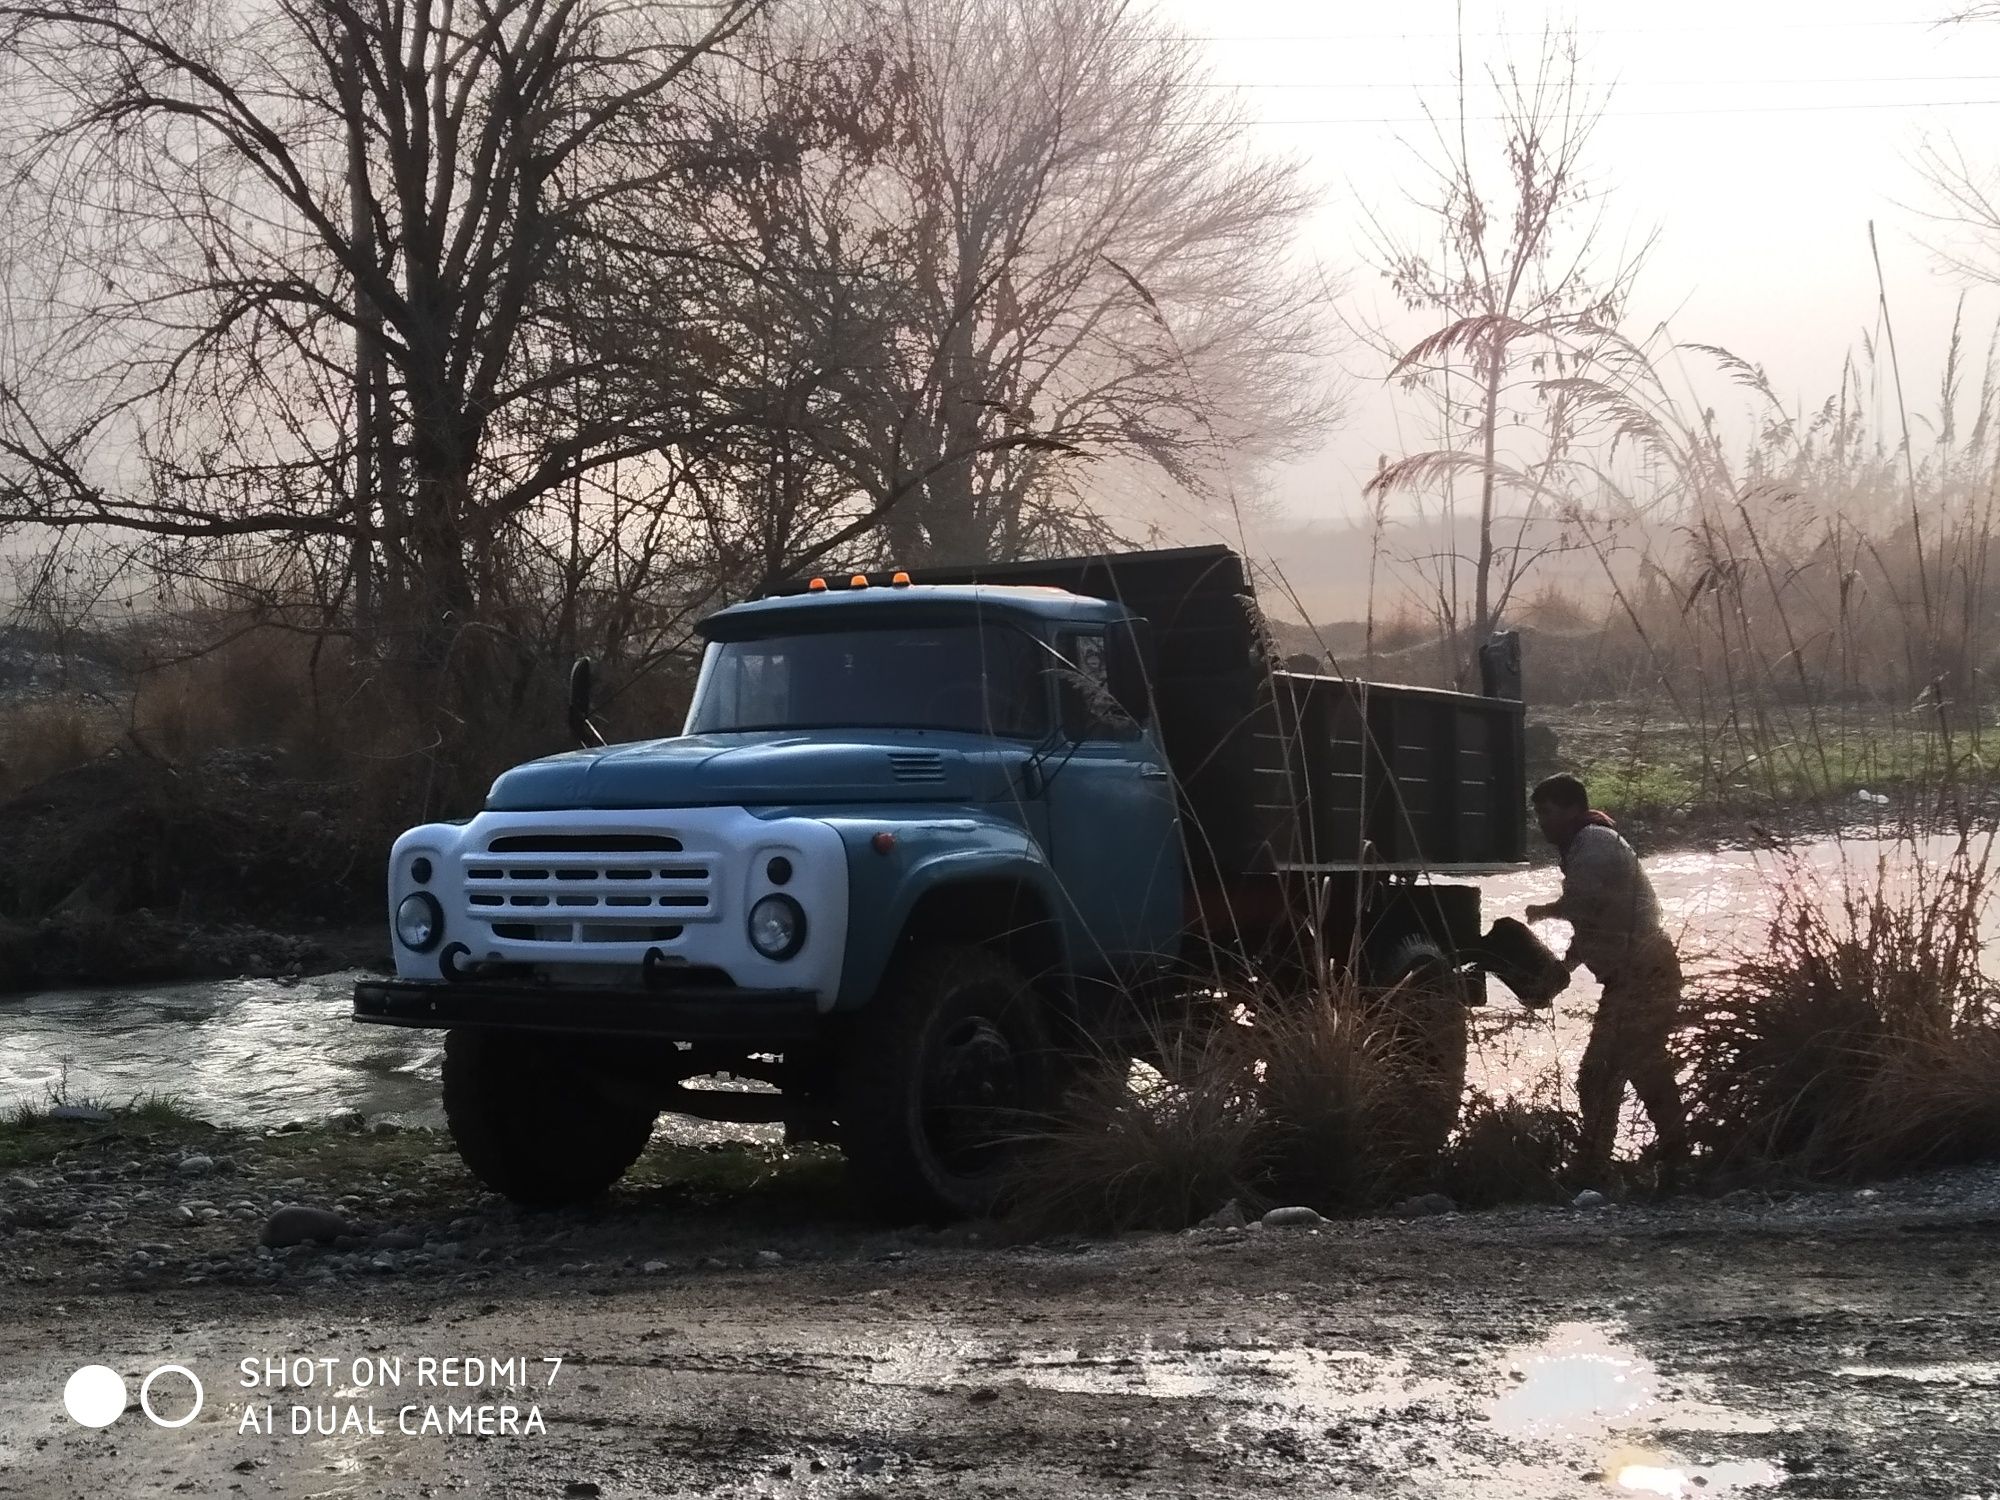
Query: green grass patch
339	1154
1642	788
1644	769
779	1182
786	1184
31	1138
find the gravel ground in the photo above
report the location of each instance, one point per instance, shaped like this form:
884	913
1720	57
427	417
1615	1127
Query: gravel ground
724	1327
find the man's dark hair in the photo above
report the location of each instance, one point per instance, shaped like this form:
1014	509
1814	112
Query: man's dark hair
1561	791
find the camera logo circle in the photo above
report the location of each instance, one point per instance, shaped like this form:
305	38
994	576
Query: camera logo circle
146	1403
95	1396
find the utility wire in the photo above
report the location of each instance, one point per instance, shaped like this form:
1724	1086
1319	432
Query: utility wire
1737	28
1641	114
1629	83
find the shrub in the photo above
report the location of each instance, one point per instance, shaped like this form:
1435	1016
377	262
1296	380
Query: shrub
1508	1151
41	737
1320	1095
1865	1038
1152	1146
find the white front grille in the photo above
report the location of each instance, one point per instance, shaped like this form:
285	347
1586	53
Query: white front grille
587	887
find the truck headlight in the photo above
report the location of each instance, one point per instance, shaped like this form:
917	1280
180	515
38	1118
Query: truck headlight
777	926
419	922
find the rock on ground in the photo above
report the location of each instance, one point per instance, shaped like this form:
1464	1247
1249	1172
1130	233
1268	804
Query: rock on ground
297	1224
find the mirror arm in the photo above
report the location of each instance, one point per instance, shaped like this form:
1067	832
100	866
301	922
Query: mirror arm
581	729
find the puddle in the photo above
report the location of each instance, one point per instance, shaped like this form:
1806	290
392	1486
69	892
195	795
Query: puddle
1967	1372
1583	1379
1584	1389
1581	1400
1577	1381
1277	1385
1643	1477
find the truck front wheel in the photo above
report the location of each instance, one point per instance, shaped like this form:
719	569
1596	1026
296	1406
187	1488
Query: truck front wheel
529	1121
941	1076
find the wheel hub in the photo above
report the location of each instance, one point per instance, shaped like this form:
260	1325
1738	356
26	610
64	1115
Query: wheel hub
973	1077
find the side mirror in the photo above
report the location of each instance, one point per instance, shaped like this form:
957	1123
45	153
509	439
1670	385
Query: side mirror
1128	669
581	729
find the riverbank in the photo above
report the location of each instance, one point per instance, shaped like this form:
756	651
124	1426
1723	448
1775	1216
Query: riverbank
130	870
725	1326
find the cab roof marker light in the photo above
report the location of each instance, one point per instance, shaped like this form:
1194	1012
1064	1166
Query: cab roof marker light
899	579
858	581
817	586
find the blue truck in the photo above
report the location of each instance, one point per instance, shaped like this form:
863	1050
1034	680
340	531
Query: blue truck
924	838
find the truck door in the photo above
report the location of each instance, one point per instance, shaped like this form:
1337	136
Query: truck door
1114	824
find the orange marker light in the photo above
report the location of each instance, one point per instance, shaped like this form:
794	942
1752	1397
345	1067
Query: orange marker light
900	579
817	586
883	842
858	581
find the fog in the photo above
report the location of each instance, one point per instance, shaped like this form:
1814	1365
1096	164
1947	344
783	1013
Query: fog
1756	141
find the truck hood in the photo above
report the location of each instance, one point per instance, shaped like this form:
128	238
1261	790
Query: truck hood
767	767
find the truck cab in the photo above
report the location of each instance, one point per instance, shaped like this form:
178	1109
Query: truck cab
887	800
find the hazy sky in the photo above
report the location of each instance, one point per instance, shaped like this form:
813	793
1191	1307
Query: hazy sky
1758	137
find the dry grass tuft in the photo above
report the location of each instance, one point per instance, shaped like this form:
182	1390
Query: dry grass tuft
1508	1151
1152	1146
1329	1112
41	737
1323	1096
1865	1038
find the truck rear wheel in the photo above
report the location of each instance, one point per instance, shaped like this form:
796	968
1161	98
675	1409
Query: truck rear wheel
529	1122
1419	1013
943	1073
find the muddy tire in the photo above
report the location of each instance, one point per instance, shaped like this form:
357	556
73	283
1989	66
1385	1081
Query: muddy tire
1418	1012
943	1072
529	1123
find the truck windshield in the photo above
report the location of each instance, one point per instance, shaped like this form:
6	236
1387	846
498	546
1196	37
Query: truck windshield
981	679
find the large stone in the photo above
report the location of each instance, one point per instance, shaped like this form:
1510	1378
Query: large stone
1295	1217
297	1224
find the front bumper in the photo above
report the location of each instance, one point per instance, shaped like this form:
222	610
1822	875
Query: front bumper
714	1013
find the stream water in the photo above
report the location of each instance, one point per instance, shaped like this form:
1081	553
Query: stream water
263	1052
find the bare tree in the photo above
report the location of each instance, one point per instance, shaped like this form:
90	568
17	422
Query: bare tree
1005	242
292	271
1522	304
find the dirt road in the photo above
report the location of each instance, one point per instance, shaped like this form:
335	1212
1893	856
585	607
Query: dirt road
1836	1345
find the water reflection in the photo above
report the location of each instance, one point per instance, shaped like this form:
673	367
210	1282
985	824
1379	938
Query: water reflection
243	1051
1583	1386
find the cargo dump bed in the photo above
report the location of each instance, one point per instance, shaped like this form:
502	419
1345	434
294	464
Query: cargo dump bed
1285	771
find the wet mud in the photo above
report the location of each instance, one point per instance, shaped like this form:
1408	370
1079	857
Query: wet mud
1825	1346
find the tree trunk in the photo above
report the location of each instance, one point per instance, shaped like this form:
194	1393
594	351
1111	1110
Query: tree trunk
1482	602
